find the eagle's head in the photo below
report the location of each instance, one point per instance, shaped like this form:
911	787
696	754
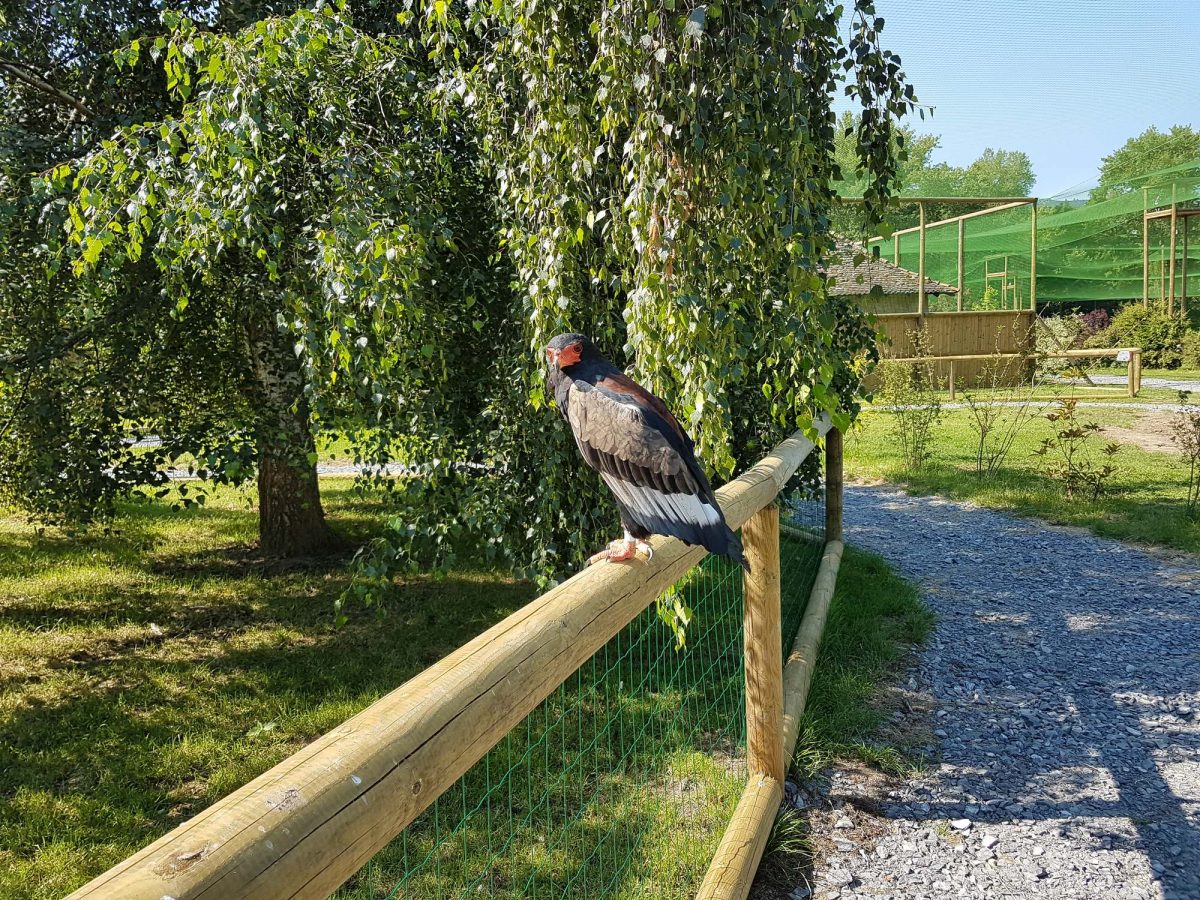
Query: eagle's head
566	350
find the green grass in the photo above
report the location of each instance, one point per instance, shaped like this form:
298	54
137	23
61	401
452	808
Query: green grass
622	783
876	620
112	735
1174	374
1144	501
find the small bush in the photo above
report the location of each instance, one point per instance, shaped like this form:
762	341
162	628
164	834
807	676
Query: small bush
1068	455
1053	334
1000	410
1160	336
990	299
1093	323
910	389
1191	350
1185	434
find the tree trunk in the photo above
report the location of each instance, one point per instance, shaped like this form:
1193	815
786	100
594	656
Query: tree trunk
291	522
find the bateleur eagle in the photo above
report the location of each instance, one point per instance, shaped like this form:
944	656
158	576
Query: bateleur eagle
648	462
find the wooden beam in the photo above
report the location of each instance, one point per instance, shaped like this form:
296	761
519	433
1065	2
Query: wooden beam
302	828
933	314
963	217
1033	252
1174	230
802	660
952	201
1165	213
763	645
896	250
922	300
962	231
834	491
1183	298
732	869
1096	353
1145	261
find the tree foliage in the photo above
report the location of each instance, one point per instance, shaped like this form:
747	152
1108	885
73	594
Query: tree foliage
995	173
1133	165
665	182
280	253
348	212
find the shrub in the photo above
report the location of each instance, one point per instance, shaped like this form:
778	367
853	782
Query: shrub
1052	334
1000	413
1191	350
990	299
1160	336
910	389
1185	434
1069	457
1093	323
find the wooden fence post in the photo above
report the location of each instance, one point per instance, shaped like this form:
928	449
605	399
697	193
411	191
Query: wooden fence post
962	231
922	300
764	646
833	485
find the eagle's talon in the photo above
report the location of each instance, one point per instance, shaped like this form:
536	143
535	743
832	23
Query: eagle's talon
619	551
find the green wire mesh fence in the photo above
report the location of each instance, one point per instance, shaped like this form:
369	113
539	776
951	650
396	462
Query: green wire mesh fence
620	784
1089	246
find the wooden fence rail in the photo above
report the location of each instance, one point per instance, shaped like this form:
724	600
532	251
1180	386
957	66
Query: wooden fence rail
302	828
1133	361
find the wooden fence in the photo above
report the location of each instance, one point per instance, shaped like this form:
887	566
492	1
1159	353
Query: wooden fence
305	826
1132	358
961	334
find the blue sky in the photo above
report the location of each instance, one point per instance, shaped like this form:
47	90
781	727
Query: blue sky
1066	81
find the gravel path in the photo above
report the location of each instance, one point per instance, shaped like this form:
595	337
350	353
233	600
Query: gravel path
1064	685
1174	384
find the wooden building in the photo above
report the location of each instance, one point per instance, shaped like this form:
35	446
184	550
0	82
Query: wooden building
876	284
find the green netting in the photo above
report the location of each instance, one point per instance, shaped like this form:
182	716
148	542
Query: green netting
1089	249
621	783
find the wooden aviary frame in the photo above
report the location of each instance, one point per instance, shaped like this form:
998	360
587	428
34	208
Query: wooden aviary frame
995	205
1133	364
1176	288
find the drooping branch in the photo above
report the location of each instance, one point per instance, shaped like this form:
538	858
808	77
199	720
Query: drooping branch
27	76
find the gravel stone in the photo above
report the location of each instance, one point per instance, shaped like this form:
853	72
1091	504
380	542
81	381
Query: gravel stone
1063	681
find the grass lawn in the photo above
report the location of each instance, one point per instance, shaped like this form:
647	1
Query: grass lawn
1144	501
1173	374
113	733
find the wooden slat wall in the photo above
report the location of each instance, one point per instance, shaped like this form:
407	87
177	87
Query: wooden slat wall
955	333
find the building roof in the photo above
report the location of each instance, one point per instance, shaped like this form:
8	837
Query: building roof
872	272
